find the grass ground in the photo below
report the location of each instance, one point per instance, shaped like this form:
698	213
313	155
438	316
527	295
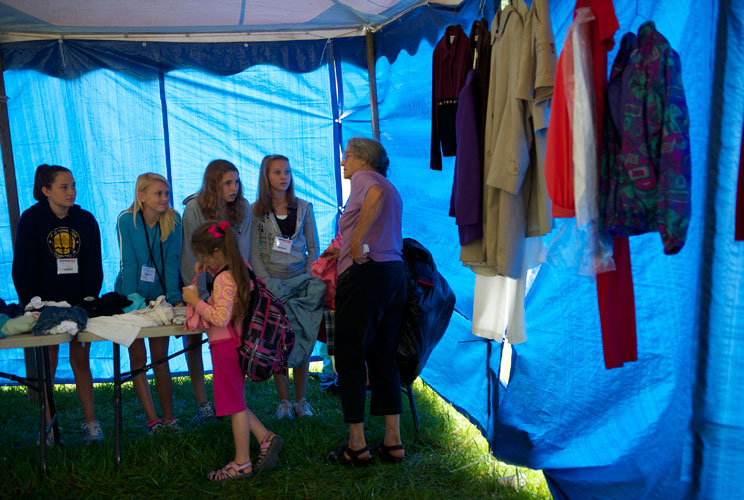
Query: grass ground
447	459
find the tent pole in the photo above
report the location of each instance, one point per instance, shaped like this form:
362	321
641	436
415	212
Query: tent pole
334	75
371	62
14	212
11	189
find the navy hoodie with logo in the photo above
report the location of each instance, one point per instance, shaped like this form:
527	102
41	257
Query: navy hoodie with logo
42	239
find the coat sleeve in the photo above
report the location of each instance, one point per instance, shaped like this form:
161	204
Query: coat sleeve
26	260
93	266
673	210
188	261
127	255
244	239
310	231
436	153
172	258
509	165
255	256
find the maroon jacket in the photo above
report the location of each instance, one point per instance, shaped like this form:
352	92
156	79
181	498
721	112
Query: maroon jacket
452	59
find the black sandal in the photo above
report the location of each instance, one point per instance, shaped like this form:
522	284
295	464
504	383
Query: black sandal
346	456
383	451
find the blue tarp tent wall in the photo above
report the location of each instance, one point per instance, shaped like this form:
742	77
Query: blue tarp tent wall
666	426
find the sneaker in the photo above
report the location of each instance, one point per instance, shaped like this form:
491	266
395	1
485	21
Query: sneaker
302	409
284	410
154	426
172	425
204	414
49	439
93	432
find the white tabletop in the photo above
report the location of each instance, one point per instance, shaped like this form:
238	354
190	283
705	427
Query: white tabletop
147	332
30	340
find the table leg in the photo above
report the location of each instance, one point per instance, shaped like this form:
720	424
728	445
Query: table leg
49	384
42	389
117	405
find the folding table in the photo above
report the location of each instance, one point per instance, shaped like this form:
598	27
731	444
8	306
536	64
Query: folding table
42	383
121	378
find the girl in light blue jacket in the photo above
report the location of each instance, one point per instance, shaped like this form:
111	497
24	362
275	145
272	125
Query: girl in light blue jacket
284	244
150	248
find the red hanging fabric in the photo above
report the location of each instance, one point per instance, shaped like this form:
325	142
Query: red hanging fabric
614	289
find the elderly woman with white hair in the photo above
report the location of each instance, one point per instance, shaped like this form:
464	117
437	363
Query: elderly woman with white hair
370	296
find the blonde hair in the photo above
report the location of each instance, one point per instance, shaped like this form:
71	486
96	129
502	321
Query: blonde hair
210	195
263	201
167	220
204	242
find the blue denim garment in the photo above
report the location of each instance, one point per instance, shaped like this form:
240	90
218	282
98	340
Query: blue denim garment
52	316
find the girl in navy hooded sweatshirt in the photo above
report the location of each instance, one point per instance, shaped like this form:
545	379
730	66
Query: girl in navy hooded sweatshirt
57	257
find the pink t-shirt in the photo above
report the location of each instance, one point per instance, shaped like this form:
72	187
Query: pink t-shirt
384	238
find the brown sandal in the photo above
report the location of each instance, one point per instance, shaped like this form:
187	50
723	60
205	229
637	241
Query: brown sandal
231	471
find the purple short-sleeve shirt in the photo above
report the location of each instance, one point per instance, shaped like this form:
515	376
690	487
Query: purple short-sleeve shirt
384	238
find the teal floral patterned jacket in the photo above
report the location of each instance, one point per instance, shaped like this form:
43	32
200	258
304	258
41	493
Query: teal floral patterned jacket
645	169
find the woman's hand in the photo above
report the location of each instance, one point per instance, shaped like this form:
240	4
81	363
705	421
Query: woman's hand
331	253
190	296
356	251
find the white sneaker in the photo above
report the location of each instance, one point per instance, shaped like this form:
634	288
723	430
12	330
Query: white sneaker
49	438
302	409
284	410
93	432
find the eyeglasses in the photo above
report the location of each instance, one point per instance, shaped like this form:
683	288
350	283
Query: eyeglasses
346	155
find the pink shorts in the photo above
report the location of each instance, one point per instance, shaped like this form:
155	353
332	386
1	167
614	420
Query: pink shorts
228	380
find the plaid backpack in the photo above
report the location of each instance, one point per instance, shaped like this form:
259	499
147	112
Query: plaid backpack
267	338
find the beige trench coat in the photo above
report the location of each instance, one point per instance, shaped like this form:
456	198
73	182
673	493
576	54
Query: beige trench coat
515	201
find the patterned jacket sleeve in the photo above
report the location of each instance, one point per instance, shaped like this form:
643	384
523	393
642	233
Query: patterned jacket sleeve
674	202
220	307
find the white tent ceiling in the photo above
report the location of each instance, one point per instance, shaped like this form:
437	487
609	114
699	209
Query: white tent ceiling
197	20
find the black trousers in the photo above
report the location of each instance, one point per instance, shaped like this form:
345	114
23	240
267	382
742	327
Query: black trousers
370	298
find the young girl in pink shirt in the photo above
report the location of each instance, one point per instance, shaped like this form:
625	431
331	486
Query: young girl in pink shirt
216	251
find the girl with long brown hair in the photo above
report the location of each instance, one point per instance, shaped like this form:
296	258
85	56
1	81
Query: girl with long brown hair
220	198
284	244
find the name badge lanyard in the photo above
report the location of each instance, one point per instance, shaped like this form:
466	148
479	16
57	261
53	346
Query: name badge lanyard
149	250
